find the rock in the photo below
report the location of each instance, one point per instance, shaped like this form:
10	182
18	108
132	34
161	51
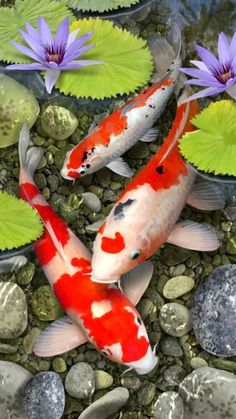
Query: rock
231	246
177	286
18	105
209	393
13	311
59	365
45	304
213	312
146	394
26	274
92	201
139	151
173	255
61	155
44	396
53	183
131	382
173	376
102	380
197	362
6	348
107	405
58	123
13	380
169	406
174	319
170	346
80	382
30	339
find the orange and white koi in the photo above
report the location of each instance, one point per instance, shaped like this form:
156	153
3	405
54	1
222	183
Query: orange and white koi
145	215
130	123
100	314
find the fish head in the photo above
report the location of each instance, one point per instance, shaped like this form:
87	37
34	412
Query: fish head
82	161
117	251
145	364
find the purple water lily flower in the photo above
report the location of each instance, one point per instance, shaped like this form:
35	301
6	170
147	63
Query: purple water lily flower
52	55
218	75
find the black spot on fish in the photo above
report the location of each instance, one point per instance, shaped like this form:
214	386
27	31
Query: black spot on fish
146	116
85	155
163	88
88	166
93	149
119	210
160	170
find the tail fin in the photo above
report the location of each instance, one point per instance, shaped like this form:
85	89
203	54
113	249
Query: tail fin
166	52
29	159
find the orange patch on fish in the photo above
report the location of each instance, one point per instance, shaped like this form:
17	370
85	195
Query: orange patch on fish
111	245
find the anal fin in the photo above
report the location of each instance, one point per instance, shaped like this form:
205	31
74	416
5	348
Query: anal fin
135	282
194	236
206	196
61	336
150	136
120	167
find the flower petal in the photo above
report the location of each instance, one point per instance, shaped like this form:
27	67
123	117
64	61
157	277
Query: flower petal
72	37
32	31
76	53
232	91
232	47
51	77
45	32
198	82
25	51
62	34
78	64
223	49
202	75
74	47
200	65
205	92
207	57
34	45
33	66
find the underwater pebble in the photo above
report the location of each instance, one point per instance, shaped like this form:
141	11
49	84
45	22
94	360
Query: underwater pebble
59	365
174	319
18	105
45	304
13	311
169	406
209	393
6	348
173	376
92	201
172	255
30	339
26	274
178	286
170	346
213	311
139	151
44	396
131	382
80	381
102	380
58	123
13	381
198	362
146	394
107	405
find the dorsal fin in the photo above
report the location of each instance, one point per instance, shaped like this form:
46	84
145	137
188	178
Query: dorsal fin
55	241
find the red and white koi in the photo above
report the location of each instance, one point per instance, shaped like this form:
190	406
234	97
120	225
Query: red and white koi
130	123
145	215
100	314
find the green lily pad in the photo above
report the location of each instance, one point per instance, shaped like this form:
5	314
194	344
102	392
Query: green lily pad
19	223
212	148
100	6
13	18
127	64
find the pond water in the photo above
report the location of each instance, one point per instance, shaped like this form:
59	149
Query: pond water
27	303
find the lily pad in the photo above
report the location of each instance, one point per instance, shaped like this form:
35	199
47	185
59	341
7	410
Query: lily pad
13	18
127	66
19	223
212	148
100	6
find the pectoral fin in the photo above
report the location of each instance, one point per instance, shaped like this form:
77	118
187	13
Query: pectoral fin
61	336
207	196
120	167
150	136
194	236
135	282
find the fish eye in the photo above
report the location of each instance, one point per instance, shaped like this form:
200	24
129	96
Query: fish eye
105	352
135	254
138	321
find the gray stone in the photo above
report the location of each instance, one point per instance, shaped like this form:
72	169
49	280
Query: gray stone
92	201
173	376
102	379
131	382
174	319
13	380
80	381
178	286
213	311
44	396
169	406
18	105
173	255
170	346
13	311
197	362
107	405
58	123
146	394
209	393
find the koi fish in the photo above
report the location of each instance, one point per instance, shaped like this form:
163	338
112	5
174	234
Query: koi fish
145	215
130	123
100	314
